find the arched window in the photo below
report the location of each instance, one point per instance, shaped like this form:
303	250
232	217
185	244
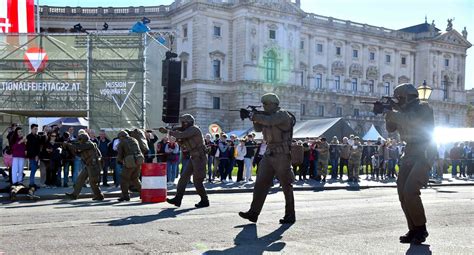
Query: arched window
271	67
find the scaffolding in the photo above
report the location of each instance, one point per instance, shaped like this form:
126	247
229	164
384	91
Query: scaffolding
107	78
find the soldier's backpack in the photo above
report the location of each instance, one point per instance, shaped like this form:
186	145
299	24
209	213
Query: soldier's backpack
293	122
130	161
140	136
287	135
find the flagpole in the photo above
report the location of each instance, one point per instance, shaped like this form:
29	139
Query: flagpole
38	16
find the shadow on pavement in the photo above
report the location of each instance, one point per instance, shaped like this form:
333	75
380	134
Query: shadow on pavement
88	203
28	203
353	186
137	203
247	241
318	186
440	190
422	249
132	220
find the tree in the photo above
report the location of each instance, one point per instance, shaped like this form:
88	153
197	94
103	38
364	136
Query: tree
470	116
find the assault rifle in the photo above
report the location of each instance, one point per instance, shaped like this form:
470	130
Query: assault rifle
172	128
383	105
245	112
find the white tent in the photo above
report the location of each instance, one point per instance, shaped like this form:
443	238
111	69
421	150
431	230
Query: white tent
70	122
240	133
372	134
327	127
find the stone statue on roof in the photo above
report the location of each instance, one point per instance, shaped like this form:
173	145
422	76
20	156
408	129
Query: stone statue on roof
432	26
464	33
450	25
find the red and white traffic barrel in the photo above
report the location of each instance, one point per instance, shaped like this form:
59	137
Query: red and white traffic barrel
153	183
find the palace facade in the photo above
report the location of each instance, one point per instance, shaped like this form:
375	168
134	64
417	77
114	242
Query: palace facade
233	51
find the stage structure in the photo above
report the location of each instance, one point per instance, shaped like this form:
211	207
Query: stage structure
112	79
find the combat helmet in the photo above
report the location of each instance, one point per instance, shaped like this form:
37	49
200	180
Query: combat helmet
83	137
405	93
187	118
122	133
405	90
270	98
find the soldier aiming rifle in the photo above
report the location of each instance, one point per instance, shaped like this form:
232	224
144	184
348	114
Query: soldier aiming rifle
383	105
245	112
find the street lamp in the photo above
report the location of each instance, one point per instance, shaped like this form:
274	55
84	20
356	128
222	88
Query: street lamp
424	91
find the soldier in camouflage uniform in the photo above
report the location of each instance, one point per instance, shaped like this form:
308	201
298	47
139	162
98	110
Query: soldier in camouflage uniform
190	138
323	149
90	156
354	161
414	121
277	128
131	157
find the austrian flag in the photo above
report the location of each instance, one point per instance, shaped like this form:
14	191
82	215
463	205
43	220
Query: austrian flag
17	16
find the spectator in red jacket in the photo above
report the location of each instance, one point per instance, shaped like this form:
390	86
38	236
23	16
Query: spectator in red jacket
18	143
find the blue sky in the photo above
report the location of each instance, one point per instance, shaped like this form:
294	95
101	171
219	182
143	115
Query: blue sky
393	14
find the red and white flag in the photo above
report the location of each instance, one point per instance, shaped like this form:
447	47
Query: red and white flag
17	16
36	59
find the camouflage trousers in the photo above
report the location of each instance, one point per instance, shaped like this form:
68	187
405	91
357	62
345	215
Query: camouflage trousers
197	168
92	172
413	175
130	176
275	165
322	167
353	169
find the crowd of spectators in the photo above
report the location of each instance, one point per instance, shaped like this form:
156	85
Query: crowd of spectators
376	159
43	151
312	158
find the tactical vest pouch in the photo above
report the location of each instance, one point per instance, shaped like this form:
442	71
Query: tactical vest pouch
130	161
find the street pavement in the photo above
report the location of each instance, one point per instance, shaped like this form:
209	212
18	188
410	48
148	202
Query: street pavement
233	187
365	221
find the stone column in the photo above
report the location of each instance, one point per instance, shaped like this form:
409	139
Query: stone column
396	62
200	55
310	60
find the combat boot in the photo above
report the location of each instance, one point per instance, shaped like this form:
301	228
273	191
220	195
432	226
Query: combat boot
249	216
202	203
174	201
12	196
71	196
121	199
406	238
98	198
420	235
288	220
